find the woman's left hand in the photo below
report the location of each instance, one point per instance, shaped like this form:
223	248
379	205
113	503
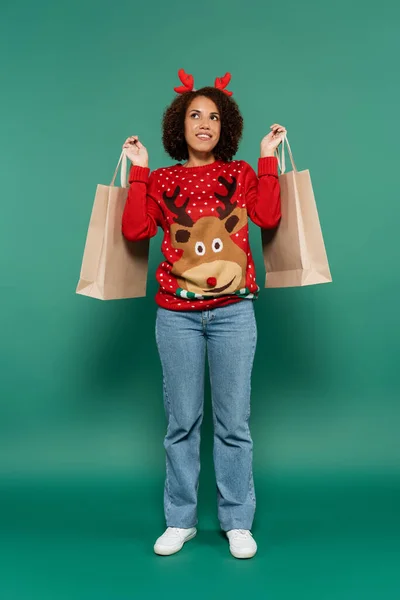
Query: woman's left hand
271	141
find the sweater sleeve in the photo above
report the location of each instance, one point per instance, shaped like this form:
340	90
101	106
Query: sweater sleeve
262	193
142	213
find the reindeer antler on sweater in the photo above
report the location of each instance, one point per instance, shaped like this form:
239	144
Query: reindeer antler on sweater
183	218
188	83
226	200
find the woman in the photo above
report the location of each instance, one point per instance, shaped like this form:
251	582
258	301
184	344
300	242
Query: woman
205	298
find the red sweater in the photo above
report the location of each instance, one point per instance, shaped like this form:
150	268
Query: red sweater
203	212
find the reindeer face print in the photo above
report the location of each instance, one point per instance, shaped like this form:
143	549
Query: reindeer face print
211	263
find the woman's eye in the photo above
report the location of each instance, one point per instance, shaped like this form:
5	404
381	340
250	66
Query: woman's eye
214	117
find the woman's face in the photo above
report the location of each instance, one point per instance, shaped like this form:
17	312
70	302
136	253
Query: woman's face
202	125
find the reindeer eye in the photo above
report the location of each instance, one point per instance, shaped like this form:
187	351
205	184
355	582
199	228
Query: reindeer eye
217	245
200	248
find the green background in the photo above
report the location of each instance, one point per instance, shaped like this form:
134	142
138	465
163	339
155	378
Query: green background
81	417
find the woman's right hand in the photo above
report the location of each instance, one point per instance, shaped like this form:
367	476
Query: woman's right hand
136	152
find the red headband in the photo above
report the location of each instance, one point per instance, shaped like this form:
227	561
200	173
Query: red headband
188	83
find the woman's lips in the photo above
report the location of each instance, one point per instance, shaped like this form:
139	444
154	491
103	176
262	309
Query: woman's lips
204	139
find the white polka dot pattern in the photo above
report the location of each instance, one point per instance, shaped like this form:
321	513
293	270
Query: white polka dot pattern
196	199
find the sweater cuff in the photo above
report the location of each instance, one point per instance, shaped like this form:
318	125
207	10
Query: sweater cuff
268	166
139	174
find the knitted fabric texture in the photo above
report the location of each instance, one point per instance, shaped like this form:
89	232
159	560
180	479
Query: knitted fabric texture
203	212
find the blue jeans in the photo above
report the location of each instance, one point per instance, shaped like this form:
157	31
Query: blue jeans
229	334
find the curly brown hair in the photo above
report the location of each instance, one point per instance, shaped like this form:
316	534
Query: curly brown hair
173	124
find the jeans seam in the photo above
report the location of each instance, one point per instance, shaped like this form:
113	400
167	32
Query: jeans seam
254	342
168	407
166	458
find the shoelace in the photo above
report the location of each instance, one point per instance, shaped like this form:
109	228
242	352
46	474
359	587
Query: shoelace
175	530
242	533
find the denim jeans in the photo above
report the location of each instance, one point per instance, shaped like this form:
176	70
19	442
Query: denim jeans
229	334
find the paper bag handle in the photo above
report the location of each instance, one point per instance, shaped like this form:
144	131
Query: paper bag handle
123	162
281	158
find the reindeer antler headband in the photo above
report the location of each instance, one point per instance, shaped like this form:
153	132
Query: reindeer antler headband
188	83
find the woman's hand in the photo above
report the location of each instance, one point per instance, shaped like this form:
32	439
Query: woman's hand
271	141
136	152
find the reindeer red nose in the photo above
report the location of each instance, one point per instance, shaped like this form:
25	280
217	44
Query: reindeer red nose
211	282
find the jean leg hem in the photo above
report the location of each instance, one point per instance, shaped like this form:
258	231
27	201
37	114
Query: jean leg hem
236	525
180	525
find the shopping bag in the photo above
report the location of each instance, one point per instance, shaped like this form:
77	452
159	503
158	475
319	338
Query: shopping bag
295	255
112	267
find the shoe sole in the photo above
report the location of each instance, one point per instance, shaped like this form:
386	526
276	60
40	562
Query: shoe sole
166	551
244	555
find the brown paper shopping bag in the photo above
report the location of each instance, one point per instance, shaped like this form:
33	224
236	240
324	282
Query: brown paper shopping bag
295	256
112	268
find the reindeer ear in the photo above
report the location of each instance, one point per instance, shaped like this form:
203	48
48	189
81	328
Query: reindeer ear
236	220
231	223
179	234
182	236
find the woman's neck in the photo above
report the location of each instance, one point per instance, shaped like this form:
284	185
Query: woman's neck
199	161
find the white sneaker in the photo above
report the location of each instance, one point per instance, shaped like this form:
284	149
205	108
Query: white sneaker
172	540
241	543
